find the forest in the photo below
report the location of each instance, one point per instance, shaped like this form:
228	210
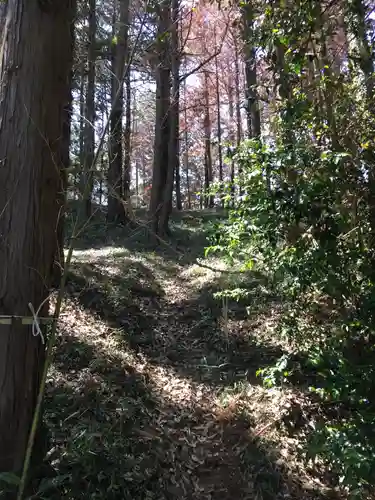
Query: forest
187	249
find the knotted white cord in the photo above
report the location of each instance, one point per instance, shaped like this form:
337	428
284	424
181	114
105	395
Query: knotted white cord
35	328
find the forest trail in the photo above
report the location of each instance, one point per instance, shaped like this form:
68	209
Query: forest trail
153	393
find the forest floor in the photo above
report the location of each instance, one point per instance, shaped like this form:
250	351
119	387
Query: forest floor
153	392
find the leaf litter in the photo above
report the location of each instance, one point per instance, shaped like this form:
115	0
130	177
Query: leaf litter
153	394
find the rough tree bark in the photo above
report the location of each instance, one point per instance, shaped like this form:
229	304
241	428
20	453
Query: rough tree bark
35	62
174	112
163	98
116	212
89	131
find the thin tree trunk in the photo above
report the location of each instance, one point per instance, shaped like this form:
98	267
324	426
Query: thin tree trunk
217	85
237	89
253	112
231	133
127	147
116	212
137	182
326	72
36	46
186	155
178	186
89	146
81	180
137	156
174	112
65	163
207	145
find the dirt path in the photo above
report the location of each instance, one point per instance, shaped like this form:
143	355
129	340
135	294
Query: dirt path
152	394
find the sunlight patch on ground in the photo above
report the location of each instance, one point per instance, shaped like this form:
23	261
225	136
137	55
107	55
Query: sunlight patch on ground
176	347
95	253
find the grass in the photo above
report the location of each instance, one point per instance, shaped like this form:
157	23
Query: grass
153	393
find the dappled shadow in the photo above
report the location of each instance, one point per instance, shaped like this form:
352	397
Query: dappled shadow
203	345
186	243
118	433
160	308
116	296
191	335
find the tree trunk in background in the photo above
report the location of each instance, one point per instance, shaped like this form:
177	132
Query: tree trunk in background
81	177
178	186
65	163
137	182
231	132
116	212
127	147
209	200
253	112
163	98
237	89
217	85
89	146
326	74
186	154
174	113
36	47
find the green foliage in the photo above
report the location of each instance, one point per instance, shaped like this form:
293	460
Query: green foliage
316	251
301	212
9	483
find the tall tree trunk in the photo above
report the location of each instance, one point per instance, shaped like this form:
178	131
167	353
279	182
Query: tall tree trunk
116	212
231	132
186	153
218	109
174	113
89	146
163	98
81	173
207	145
253	112
138	152
36	46
127	147
237	89
179	43
326	74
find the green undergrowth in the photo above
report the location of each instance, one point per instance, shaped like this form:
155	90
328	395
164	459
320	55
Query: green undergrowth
320	266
